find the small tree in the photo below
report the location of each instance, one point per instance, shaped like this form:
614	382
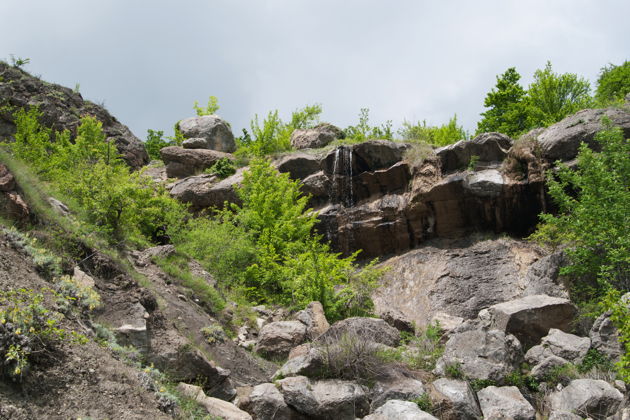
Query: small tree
613	83
210	109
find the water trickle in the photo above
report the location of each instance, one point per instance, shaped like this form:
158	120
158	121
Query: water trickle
342	188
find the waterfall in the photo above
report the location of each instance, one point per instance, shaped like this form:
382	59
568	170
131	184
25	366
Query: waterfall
342	189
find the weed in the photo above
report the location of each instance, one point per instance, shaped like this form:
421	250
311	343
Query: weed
424	403
454	370
472	164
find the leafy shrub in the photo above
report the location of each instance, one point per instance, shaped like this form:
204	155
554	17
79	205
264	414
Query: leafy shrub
27	327
454	370
72	292
434	135
421	351
613	83
210	109
363	131
120	204
424	403
275	136
155	142
213	334
222	168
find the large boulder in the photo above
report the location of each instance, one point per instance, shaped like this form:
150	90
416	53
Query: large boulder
454	400
276	339
562	140
182	162
298	165
531	317
325	399
62	109
397	387
506	402
399	410
587	397
206	191
371	329
558	343
460	278
213	406
264	401
487	147
310	363
351	160
213	129
317	137
605	337
314	318
486	355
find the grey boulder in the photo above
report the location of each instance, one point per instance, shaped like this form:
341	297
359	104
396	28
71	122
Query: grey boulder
488	147
276	339
505	402
454	400
317	137
587	397
213	129
399	410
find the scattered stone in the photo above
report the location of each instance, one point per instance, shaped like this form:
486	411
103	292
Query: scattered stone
58	206
276	339
372	329
530	318
399	410
330	398
315	320
558	343
546	366
487	355
454	400
587	397
310	363
214	406
213	129
505	402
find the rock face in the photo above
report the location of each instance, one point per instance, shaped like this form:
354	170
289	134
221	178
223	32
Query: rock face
562	140
487	147
531	317
12	204
276	339
214	130
487	355
587	397
62	109
298	165
372	329
314	138
504	403
325	399
399	410
460	278
454	400
182	162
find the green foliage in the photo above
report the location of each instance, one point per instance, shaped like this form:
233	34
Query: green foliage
620	316
552	96
437	136
363	131
424	403
155	142
549	98
418	152
593	219
454	370
506	102
19	62
118	203
613	83
518	379
479	384
210	109
176	266
70	291
594	359
418	352
27	327
213	334
222	168
275	136
46	263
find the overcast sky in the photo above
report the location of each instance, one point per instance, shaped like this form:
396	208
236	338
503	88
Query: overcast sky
148	61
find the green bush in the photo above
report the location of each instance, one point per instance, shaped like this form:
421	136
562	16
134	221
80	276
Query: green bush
275	136
613	83
437	136
155	142
222	168
27	328
210	109
363	131
72	292
116	202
